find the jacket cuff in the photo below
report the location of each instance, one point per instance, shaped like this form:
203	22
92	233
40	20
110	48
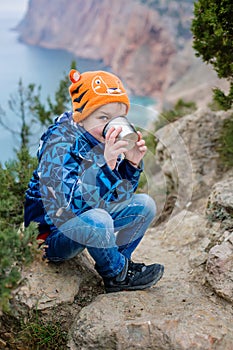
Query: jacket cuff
139	168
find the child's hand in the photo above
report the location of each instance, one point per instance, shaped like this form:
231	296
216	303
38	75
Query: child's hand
135	154
113	147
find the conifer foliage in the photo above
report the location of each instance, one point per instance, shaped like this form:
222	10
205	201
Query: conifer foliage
212	28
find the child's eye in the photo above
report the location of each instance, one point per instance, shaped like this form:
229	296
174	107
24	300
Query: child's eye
104	117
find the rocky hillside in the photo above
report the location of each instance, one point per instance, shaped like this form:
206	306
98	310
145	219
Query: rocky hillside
177	16
191	307
145	42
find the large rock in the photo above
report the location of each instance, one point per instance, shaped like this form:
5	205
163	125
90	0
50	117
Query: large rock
220	201
143	321
220	268
187	154
220	260
65	287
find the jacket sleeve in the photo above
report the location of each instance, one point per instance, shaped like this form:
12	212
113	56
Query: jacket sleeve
129	172
98	186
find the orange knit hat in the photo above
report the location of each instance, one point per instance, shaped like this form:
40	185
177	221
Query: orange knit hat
91	90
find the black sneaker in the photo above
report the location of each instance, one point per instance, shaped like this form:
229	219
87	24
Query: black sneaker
134	276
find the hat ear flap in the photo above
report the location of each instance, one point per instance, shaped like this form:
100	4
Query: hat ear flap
74	76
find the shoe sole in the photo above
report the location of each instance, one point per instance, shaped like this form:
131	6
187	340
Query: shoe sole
140	287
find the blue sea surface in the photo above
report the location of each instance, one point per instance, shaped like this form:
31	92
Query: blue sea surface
43	67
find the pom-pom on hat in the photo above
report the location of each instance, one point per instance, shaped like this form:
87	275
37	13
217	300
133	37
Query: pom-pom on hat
91	90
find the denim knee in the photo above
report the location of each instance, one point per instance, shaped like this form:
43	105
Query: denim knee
93	228
148	204
101	228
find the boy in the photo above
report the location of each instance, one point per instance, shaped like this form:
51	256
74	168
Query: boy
82	193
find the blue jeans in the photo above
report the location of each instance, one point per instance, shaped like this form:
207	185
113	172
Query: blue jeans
109	237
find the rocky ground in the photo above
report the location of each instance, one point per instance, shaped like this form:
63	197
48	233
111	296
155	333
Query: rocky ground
191	308
180	312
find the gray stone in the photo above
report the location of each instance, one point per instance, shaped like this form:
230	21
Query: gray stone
157	319
220	270
47	286
188	157
220	201
220	259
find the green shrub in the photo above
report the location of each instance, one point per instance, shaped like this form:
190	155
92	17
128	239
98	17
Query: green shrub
37	334
222	100
212	40
14	178
17	246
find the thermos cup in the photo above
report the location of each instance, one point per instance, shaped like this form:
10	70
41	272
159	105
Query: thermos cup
128	132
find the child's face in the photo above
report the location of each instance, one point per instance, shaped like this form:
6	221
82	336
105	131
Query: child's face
96	122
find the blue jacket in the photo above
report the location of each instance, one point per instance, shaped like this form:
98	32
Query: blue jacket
72	176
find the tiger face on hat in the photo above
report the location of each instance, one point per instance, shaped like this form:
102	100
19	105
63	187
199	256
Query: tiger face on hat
93	89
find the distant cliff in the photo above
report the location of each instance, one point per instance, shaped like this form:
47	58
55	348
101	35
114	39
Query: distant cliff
138	39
